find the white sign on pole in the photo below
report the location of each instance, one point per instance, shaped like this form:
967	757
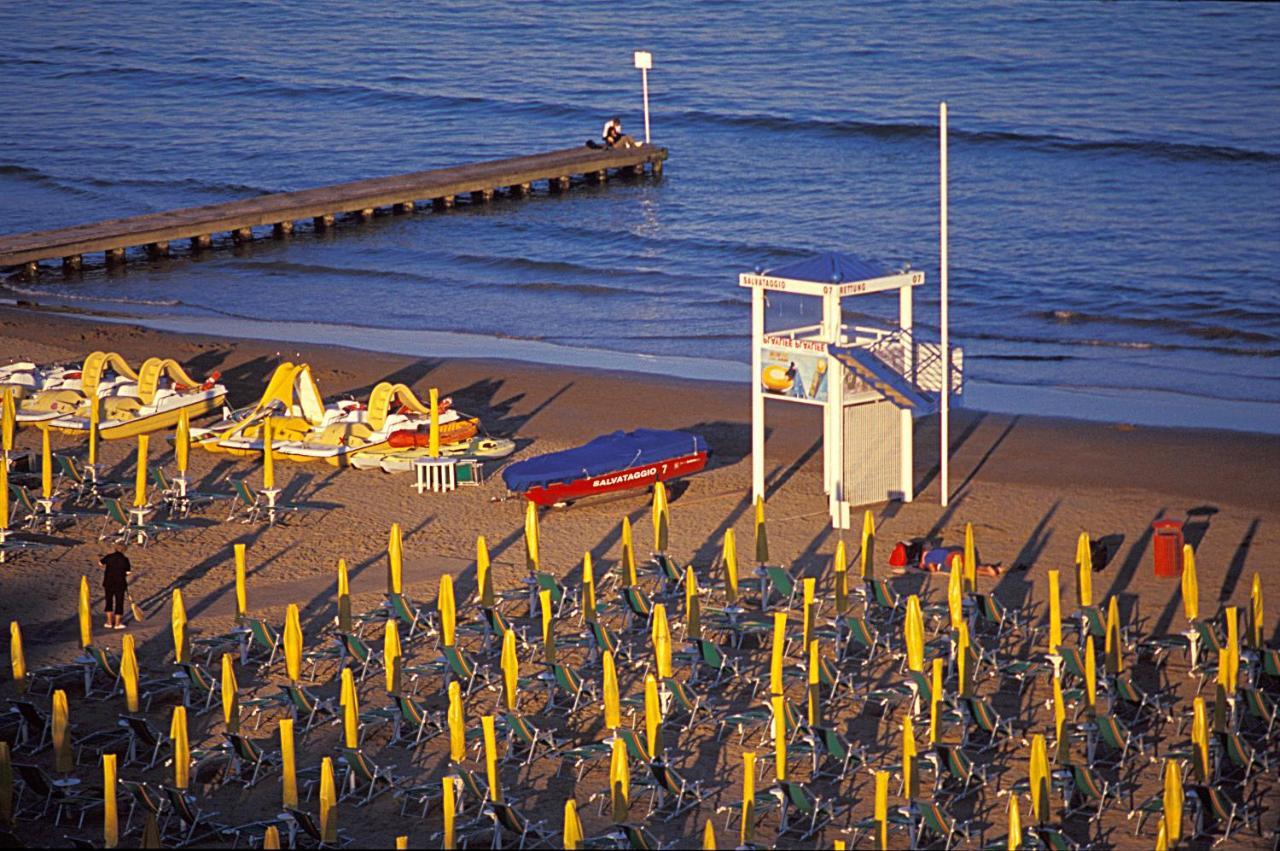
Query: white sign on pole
644	61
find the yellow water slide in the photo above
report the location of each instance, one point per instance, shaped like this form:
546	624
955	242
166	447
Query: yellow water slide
380	403
96	365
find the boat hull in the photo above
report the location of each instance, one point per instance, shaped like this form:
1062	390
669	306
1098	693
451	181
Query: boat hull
619	480
159	421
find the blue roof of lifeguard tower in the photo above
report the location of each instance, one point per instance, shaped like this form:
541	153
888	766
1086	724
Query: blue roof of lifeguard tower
829	268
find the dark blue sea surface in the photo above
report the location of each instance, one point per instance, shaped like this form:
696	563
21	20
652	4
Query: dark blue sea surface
1115	174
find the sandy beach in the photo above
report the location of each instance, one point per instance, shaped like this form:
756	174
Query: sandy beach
1028	485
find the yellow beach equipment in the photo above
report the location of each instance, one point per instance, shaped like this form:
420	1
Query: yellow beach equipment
1014	841
1233	651
510	671
448	611
612	701
809	585
572	824
178	625
1190	587
433	423
82	610
815	678
182	442
531	542
449	809
268	457
619	782
129	673
881	810
328	802
866	558
729	556
95	422
589	613
63	759
779	736
392	656
652	717
17	657
1084	571
746	832
344	597
181	748
1255	614
484	573
288	765
548	627
1199	741
395	561
8	423
661	641
629	577
776	653
46	465
692	605
1112	650
1038	771
910	775
913	631
955	596
1055	614
840	566
964	674
1173	801
350	702
140	473
762	536
661	518
935	700
230	695
1090	678
242	599
292	643
708	837
110	815
457	724
970	560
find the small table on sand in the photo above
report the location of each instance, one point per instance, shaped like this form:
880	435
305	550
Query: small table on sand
436	474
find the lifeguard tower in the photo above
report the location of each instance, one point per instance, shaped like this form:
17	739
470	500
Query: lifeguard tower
871	379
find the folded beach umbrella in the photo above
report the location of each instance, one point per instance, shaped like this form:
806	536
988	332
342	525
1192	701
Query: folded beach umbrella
589	613
779	736
4	499
661	518
881	812
1255	614
1059	722
181	746
1112	650
866	559
776	652
46	465
809	585
82	610
629	577
484	573
270	837
1199	741
572	825
1084	571
292	643
1173	801
448	611
1090	678
1014	841
433	423
17	657
1162	837
747	831
840	564
815	679
1038	774
395	561
612	703
955	596
129	673
913	632
288	765
970	560
178	623
392	655
63	761
9	420
661	640
964	675
708	837
457	724
548	627
910	776
268	457
350	710
242	597
1190	587
935	699
652	717
729	555
510	671
230	695
95	417
449	808
1233	650
619	781
182	442
328	802
692	605
531	542
344	598
110	813
1055	614
402	842
762	536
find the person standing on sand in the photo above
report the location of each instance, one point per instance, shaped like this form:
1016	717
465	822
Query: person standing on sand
115	582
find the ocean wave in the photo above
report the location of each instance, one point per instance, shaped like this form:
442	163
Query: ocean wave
1137	345
1193	329
48	295
1135	389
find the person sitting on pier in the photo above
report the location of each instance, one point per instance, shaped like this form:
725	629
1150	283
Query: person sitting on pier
614	137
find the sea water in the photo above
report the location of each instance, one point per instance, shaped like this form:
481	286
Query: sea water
1115	179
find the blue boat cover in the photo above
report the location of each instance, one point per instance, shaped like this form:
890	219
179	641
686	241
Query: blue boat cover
830	268
606	454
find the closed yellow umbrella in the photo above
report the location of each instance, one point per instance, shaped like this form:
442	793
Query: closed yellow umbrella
661	641
589	613
457	724
935	699
1038	771
402	842
1199	741
708	837
433	423
1162	836
881	812
1015	825
344	597
129	673
46	465
1233	650
910	777
815	679
181	747
572	825
1256	620
17	657
395	561
178	624
729	555
449	808
1112	650
964	675
448	611
1055	614
86	624
619	781
350	710
612	703
484	573
809	586
268	456
182	441
230	695
110	815
776	651
913	630
63	761
4	499
548	627
746	833
242	597
1059	722
1084	571
510	671
1090	678
652	717
531	543
288	765
1190	586
970	560
866	559
328	802
661	518
762	536
780	736
629	577
95	417
955	596
270	838
10	421
692	605
1173	801
840	565
392	656
292	643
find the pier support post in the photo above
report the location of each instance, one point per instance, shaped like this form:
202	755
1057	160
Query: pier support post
599	176
115	256
444	202
31	270
482	196
72	263
559	184
366	214
203	242
403	207
655	167
323	222
520	190
158	249
242	235
282	229
638	169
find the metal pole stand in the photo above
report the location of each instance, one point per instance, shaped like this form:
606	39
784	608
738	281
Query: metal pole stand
270	494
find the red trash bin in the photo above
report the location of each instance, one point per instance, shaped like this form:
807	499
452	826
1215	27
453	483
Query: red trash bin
1168	548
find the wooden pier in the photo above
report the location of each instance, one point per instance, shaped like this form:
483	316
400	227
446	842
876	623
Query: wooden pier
478	183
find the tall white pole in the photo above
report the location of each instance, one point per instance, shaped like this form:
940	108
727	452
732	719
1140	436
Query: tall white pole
644	83
945	428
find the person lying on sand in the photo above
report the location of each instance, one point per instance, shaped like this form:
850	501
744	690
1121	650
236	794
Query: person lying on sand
940	558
